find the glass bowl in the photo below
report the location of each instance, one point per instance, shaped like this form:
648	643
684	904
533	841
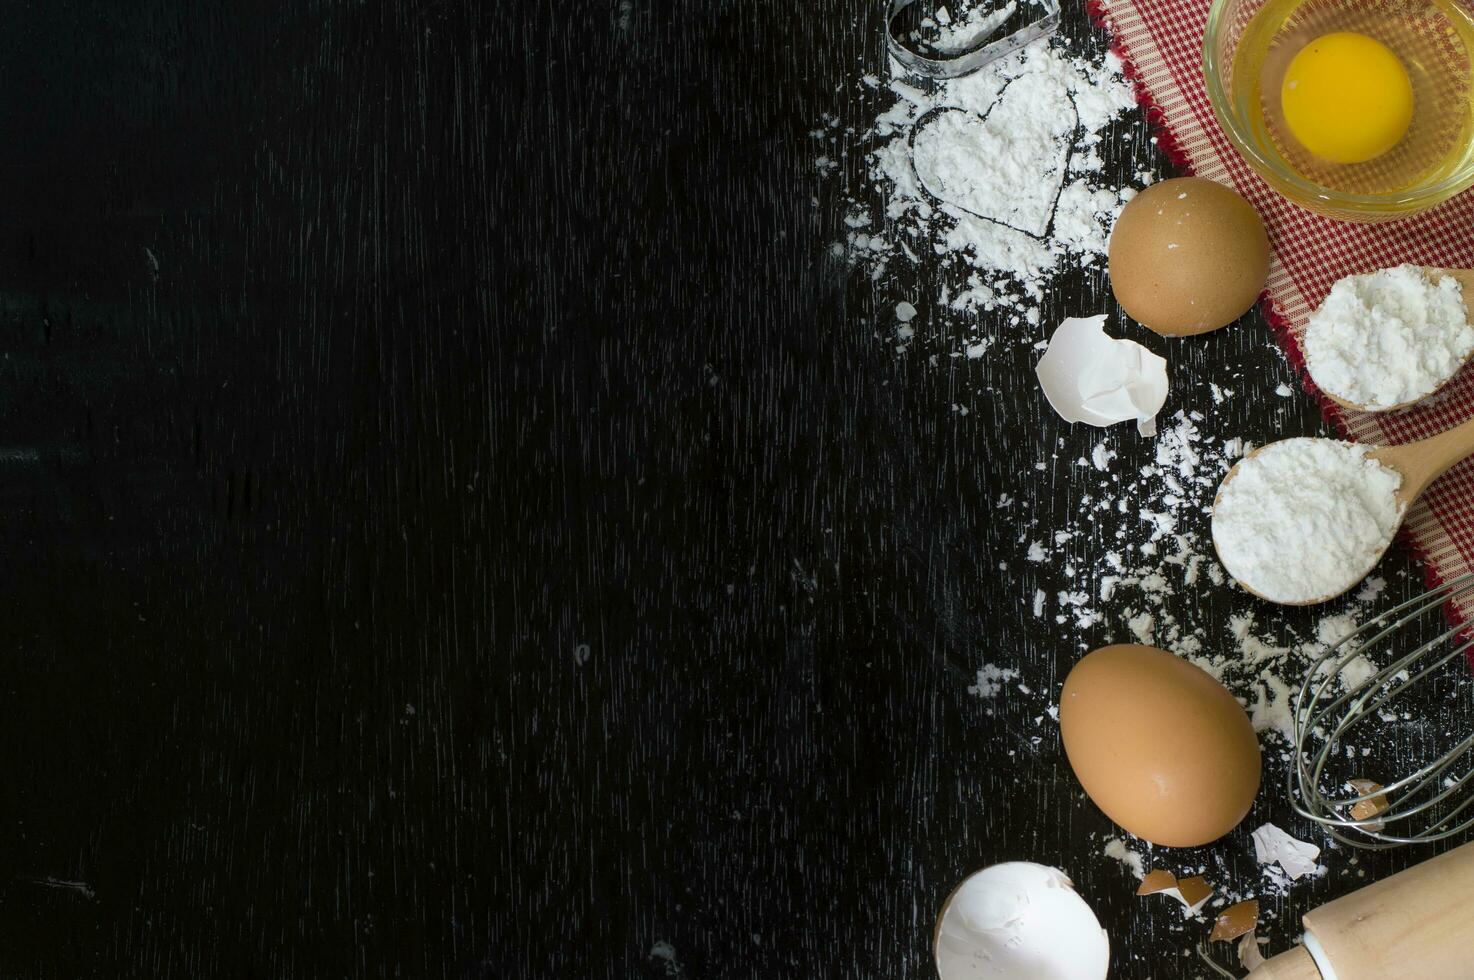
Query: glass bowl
1227	23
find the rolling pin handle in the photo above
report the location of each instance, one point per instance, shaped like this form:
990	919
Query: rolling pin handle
1296	964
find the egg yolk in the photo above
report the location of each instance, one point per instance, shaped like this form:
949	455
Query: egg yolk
1347	98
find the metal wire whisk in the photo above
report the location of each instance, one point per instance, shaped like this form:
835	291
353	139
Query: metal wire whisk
1337	718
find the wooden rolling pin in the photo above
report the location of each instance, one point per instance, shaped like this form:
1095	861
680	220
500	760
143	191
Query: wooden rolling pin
1417	923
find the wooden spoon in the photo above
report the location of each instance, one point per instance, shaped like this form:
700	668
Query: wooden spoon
1466	284
1424	461
1418	463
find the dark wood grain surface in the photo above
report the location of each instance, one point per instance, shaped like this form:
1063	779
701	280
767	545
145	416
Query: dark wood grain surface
460	520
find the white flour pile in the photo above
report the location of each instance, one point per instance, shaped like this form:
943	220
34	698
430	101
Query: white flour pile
1005	166
952	34
1305	519
1135	556
1388	337
1006	183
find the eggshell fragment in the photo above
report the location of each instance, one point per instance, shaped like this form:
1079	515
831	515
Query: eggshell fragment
1367	809
1159	745
1249	955
1194	891
1191	892
1157	881
1019	920
1272	845
1090	377
1188	256
1235	921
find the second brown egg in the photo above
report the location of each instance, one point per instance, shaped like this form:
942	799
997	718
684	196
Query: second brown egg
1159	745
1187	256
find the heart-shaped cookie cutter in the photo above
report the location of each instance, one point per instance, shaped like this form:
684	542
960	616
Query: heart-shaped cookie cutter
937	200
970	59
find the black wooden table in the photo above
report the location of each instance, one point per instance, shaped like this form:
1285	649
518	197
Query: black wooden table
459	521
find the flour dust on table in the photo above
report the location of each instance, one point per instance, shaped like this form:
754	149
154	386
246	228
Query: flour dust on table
1150	524
987	197
998	174
1133	559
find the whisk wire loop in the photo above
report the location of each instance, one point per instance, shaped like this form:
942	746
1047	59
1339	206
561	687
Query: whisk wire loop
1338	700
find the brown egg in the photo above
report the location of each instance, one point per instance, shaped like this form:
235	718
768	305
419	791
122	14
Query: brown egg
1188	256
1159	745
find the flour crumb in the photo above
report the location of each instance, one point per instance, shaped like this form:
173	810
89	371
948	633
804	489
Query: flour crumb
665	954
991	680
1116	849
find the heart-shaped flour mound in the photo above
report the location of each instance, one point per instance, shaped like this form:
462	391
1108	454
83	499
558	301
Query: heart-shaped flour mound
1006	166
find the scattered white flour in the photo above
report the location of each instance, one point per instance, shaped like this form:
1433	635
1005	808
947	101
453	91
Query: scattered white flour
1116	848
1153	557
1389	337
991	680
1005	166
1305	519
971	28
1006	180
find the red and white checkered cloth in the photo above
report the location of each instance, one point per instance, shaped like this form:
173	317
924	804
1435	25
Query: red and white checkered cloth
1161	42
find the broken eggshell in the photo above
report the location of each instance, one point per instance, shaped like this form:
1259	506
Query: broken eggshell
1297	857
1235	921
1090	377
1250	956
1192	892
1367	810
1019	920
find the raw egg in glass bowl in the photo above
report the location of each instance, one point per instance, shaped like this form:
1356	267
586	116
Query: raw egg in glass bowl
1362	110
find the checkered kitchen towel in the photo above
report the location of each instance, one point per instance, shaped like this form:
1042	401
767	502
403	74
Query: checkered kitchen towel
1161	42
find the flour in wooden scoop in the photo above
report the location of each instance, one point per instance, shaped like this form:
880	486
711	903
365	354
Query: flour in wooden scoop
1387	338
1303	520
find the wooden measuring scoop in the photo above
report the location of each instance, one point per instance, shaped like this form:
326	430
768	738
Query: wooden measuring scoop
1418	463
1465	279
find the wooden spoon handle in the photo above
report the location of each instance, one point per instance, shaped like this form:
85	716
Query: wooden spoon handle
1424	461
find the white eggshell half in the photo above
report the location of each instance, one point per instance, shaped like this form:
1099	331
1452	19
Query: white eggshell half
1090	377
1023	921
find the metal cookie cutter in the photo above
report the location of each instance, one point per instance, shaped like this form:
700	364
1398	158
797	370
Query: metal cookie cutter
981	52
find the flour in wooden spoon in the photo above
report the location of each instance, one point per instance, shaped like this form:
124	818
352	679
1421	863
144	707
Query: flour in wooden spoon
1153	524
1305	519
1389	337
